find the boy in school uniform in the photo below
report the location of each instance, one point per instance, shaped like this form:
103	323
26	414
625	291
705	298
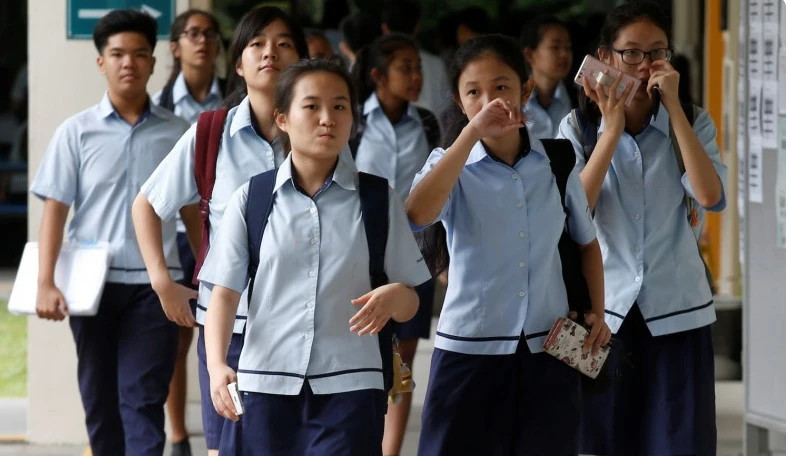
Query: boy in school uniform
97	161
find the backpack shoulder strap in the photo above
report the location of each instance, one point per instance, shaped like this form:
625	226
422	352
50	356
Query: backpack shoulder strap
208	137
374	196
586	131
165	99
258	208
562	161
432	129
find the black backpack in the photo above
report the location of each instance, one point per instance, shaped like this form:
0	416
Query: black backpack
562	162
374	196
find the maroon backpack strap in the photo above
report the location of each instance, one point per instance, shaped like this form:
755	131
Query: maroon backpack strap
210	126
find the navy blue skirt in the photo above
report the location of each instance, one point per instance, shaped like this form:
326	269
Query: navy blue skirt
661	395
307	424
500	405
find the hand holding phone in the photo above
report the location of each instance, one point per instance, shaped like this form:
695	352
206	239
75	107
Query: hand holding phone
603	74
232	388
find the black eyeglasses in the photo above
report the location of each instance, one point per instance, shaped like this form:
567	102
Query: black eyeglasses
635	56
194	34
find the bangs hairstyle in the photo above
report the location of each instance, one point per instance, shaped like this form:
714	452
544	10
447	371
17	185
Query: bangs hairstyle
287	81
248	28
502	48
378	55
620	17
178	27
125	20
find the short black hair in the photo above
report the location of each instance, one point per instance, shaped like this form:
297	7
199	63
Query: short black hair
401	16
125	20
359	29
533	32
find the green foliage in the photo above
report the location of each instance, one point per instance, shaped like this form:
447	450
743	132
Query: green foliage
13	353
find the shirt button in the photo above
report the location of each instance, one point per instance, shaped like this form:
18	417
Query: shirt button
522	264
313	241
637	278
519	204
514	177
522	294
637	154
637	216
304	336
311	273
637	248
522	234
312	210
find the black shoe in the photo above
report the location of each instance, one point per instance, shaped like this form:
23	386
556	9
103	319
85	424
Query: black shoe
181	448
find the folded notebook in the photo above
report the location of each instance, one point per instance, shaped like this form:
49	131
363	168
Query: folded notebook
565	342
80	273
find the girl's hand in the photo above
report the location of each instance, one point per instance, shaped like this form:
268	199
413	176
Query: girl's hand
610	105
496	118
221	376
377	307
664	76
600	334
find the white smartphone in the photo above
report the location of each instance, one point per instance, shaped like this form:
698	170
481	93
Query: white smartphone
601	73
236	397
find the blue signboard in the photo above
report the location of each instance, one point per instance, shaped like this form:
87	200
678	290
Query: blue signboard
83	15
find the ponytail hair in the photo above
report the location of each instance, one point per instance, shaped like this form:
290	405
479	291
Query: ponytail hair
378	55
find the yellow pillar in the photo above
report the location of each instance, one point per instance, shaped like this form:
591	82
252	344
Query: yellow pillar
713	96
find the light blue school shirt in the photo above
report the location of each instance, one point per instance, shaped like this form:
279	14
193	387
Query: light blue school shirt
648	247
502	225
185	105
314	259
242	154
543	123
396	152
97	161
189	109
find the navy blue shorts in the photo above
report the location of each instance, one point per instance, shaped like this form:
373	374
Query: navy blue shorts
212	422
340	424
661	398
500	405
419	326
126	355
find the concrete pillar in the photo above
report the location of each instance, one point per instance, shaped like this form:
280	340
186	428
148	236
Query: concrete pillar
63	80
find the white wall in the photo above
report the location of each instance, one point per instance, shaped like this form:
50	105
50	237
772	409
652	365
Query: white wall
63	81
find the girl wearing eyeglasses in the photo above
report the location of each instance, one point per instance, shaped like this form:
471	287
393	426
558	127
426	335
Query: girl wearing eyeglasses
192	88
647	212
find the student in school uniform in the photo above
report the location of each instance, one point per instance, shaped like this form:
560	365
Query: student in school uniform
548	51
192	88
97	161
492	390
658	298
310	370
393	144
265	42
405	17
